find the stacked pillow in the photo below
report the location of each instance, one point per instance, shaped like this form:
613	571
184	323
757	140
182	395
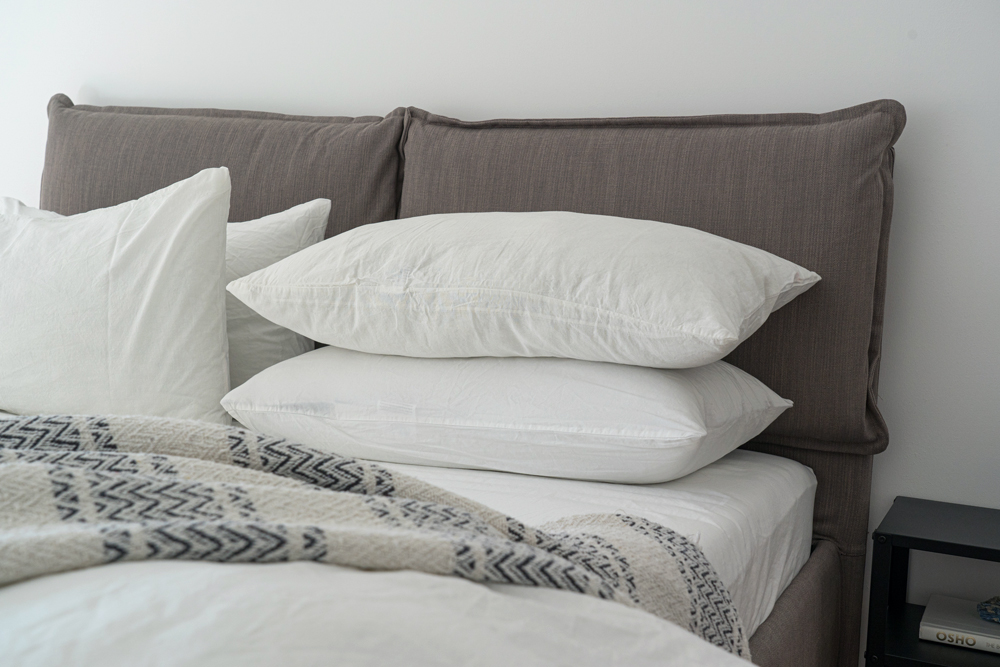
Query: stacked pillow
123	310
548	343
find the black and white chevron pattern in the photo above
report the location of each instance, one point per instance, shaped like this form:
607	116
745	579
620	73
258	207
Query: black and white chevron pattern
138	488
713	616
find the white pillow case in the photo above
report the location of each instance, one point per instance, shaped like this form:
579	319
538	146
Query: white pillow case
553	417
119	310
549	284
254	342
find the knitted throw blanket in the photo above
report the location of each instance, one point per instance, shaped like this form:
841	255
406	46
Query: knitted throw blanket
83	491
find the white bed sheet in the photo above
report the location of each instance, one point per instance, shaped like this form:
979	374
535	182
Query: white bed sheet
750	513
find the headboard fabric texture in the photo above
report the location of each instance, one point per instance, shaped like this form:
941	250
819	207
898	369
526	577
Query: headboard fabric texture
102	156
815	189
811	189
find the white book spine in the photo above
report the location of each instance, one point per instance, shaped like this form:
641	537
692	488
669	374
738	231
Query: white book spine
953	638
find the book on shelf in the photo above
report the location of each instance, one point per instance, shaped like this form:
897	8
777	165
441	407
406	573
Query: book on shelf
956	622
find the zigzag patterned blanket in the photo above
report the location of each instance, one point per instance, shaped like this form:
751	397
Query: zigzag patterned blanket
83	491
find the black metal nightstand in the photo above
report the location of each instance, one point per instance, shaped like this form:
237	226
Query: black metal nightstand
924	525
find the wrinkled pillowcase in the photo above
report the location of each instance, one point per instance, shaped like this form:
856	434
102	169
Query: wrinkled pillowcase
118	310
553	417
254	342
544	284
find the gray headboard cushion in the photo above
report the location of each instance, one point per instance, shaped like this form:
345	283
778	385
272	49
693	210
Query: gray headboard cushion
102	156
814	189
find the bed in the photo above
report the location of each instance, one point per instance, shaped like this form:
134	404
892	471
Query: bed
814	189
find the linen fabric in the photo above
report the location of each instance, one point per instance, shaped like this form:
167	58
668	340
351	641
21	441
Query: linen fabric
814	189
750	513
547	284
256	343
201	610
102	156
88	491
118	310
553	417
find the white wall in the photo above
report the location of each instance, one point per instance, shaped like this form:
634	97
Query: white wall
477	59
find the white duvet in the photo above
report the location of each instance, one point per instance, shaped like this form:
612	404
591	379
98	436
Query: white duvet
297	614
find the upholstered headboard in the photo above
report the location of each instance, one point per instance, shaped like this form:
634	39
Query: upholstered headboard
814	189
102	156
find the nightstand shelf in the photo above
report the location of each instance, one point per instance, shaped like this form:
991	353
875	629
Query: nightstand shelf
925	525
903	648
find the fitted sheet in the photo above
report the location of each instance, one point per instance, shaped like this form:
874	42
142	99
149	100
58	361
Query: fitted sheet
750	513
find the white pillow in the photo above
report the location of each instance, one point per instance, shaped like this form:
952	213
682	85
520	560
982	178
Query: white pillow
119	310
551	284
554	417
254	342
